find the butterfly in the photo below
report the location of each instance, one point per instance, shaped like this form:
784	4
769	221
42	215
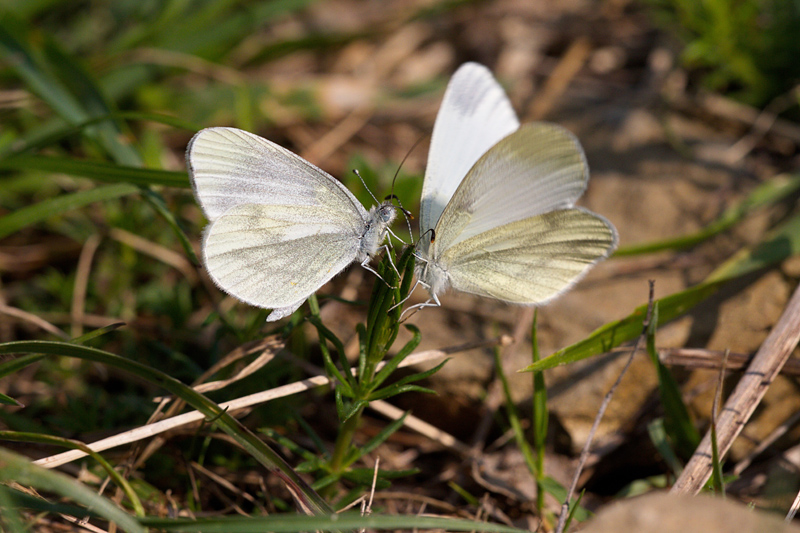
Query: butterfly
497	215
280	228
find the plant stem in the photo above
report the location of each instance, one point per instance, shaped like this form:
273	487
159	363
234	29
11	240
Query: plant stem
344	441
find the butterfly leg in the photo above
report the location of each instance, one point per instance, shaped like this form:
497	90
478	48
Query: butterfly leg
391	261
365	264
401	302
427	303
393	234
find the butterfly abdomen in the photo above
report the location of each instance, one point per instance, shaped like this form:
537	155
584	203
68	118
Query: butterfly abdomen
432	275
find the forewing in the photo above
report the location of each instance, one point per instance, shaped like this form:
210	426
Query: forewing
475	114
532	260
540	167
277	256
230	167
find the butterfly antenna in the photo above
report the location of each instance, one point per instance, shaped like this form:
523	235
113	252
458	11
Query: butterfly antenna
397	172
406	213
433	236
357	173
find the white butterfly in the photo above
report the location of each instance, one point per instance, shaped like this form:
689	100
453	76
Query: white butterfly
280	228
497	210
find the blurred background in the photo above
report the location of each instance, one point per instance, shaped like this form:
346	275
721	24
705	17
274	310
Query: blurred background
684	108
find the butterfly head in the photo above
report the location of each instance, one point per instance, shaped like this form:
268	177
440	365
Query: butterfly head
377	226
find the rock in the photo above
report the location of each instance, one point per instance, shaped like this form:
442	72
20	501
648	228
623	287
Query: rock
666	513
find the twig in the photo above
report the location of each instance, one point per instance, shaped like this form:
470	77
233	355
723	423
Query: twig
33	319
777	433
82	283
562	518
731	110
232	406
761	126
337	136
222	481
765	366
421	427
571	63
793	509
712	360
156	251
368	509
268	347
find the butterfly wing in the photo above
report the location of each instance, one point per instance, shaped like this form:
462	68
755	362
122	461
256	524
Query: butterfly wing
230	167
475	114
277	256
280	227
530	261
540	167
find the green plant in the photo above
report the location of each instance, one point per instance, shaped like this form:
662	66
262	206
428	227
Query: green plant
747	48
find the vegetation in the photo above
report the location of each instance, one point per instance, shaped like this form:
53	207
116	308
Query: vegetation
104	305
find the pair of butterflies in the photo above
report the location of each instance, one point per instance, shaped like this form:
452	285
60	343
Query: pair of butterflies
497	214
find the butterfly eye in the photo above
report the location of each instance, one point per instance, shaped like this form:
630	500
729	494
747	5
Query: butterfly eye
387	213
433	235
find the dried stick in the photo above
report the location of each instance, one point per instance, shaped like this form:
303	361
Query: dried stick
232	406
793	509
765	443
568	67
562	518
766	365
712	360
82	283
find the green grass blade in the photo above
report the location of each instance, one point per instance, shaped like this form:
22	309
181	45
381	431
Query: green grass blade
244	437
513	418
51	135
89	96
61	204
22	500
387	391
573	511
615	333
342	521
99	332
158	204
66	87
780	243
560	492
19	469
677	422
18	363
539	415
391	365
768	193
658	436
121	482
32	70
97	170
357	453
8	509
717	479
8	400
